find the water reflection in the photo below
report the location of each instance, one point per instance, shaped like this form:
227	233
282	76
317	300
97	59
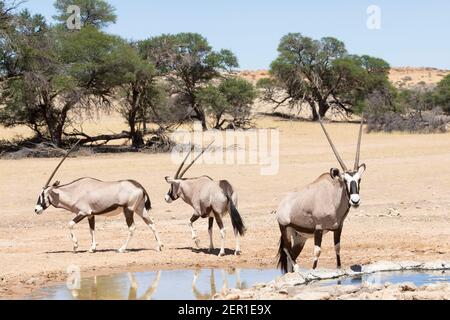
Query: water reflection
203	284
212	281
113	288
200	284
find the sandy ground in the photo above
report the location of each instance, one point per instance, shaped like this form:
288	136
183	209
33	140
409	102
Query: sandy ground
404	214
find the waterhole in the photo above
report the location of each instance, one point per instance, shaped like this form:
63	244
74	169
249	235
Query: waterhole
203	284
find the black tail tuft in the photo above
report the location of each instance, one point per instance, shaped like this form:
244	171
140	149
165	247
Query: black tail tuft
236	219
148	203
282	257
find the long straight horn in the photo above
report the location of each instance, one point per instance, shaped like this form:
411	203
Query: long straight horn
336	153
184	161
62	161
358	148
198	157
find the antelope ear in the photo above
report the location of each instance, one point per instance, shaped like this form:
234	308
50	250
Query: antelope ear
335	173
56	184
362	169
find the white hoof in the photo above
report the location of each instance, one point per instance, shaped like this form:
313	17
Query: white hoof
237	252
297	268
222	254
160	248
122	250
92	250
197	242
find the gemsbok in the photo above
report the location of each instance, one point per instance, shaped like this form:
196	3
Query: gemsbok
209	199
89	198
319	208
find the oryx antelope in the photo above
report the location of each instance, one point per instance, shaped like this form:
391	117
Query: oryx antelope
209	199
319	208
89	198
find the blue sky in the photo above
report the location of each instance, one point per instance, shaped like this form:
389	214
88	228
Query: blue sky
412	33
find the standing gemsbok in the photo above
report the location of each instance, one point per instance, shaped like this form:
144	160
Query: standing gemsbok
319	208
88	198
209	199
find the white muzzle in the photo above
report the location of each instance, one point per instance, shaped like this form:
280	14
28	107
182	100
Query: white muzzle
355	199
168	199
39	210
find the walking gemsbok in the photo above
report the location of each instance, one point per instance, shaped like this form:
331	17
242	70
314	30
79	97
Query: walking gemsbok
88	198
209	199
319	208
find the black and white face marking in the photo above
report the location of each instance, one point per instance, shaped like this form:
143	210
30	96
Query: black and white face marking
353	184
172	195
43	201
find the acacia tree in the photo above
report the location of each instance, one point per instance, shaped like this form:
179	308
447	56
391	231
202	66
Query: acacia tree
7	10
442	94
188	63
322	74
96	13
140	94
229	103
62	73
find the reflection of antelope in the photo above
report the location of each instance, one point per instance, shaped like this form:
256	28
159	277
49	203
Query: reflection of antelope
150	291
206	296
319	208
110	289
210	199
88	198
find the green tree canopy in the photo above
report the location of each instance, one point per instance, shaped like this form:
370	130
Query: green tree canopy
96	13
229	102
141	96
323	74
442	94
189	63
62	73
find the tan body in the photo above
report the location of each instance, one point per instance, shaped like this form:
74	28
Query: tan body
88	198
206	196
209	199
323	205
319	208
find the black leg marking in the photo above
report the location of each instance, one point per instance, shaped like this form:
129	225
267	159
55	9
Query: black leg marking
337	246
219	220
78	219
194	218
210	223
92	222
318	235
297	248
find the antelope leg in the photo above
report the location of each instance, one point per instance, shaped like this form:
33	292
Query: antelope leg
210	231
92	229
149	221
222	234
131	229
72	224
194	218
337	246
238	251
318	235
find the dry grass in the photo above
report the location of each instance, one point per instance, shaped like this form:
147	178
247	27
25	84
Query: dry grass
407	172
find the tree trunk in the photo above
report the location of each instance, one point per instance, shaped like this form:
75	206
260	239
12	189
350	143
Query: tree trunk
57	138
137	139
323	108
55	130
314	111
200	115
